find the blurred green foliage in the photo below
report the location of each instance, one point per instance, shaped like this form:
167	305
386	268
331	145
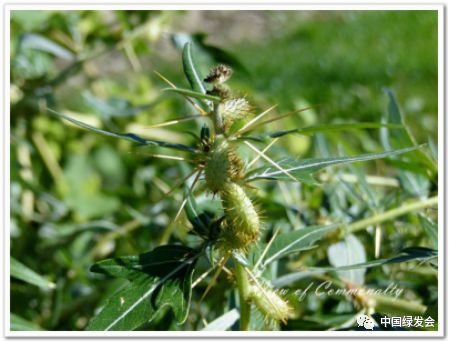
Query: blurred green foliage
77	197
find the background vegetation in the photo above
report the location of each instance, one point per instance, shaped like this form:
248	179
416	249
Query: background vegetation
77	197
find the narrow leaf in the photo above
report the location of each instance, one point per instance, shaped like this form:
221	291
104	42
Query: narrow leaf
22	272
303	168
38	42
224	322
194	94
320	129
408	254
199	220
191	70
18	323
431	229
127	136
296	241
402	137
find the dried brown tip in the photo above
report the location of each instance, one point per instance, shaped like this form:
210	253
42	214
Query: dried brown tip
219	74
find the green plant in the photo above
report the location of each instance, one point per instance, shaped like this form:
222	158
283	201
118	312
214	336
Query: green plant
230	238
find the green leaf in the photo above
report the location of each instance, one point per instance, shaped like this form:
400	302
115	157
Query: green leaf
348	252
22	272
162	277
194	94
113	106
319	129
82	189
295	241
38	42
224	322
18	323
127	136
430	228
407	254
193	75
402	137
303	168
199	220
191	70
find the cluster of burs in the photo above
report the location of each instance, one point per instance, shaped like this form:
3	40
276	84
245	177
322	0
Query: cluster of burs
224	176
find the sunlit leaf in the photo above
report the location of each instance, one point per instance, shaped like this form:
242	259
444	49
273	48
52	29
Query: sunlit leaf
191	70
296	241
318	129
350	251
24	273
127	136
431	230
194	94
303	168
38	42
224	322
18	323
162	277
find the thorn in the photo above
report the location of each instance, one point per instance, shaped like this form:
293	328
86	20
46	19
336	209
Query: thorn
272	162
175	121
266	249
251	163
258	117
284	116
171	84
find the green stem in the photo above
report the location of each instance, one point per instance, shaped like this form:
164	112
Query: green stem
243	288
392	305
390	214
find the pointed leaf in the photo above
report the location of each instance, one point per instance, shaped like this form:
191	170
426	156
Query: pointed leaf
22	272
224	322
402	137
296	241
319	129
408	254
18	323
303	168
430	228
193	75
38	42
127	136
191	70
194	94
162	277
199	220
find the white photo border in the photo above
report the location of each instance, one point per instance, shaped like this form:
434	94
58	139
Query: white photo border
8	6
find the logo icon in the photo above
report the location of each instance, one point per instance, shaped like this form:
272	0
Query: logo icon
366	322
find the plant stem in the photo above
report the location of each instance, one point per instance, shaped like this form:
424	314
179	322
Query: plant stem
243	288
390	214
397	306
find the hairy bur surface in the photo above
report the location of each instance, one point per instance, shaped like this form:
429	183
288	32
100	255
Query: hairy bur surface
270	303
242	223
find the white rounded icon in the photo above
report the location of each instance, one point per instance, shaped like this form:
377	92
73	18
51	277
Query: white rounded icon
366	322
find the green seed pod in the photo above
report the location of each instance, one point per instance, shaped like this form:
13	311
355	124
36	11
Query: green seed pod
217	165
242	224
270	303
